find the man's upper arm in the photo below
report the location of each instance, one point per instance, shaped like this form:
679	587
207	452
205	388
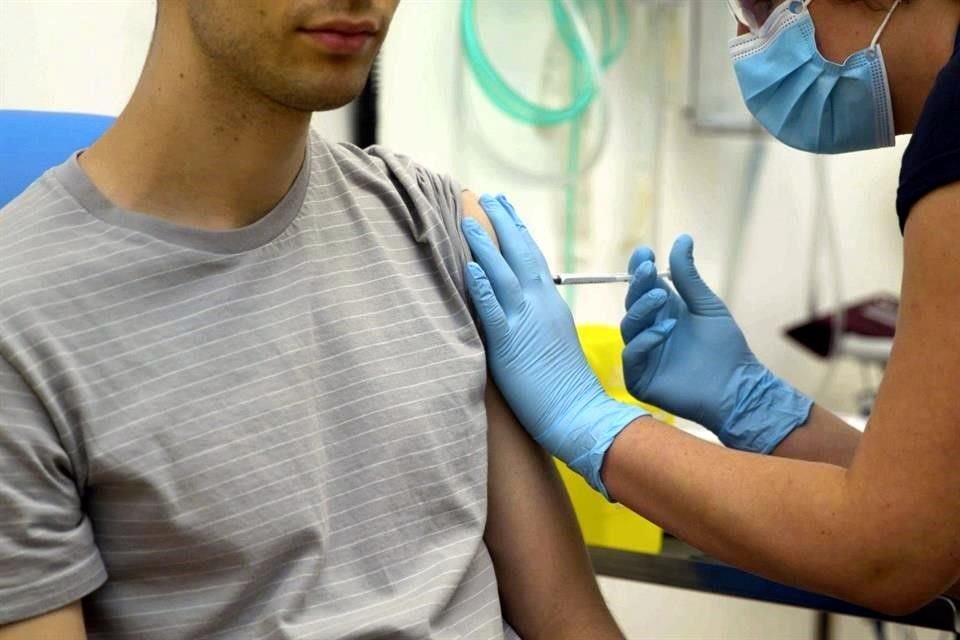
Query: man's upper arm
62	624
48	558
547	586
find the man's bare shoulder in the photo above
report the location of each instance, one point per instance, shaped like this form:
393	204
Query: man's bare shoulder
472	209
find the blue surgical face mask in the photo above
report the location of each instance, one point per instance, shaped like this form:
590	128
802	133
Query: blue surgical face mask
803	99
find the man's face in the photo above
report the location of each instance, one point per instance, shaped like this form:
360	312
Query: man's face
310	55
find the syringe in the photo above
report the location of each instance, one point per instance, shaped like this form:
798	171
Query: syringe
598	278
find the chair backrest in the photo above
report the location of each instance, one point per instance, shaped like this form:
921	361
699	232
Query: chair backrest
33	141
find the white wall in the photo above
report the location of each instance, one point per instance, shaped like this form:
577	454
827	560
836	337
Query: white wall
85	55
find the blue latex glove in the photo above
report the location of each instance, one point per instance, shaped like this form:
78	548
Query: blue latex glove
689	357
533	351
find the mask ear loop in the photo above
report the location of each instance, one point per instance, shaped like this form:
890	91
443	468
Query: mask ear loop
883	25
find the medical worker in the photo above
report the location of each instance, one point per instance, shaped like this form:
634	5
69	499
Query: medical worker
796	495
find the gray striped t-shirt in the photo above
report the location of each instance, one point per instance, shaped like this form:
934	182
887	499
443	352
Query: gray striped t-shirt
271	432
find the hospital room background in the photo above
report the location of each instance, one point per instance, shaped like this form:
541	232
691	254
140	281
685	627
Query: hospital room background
661	147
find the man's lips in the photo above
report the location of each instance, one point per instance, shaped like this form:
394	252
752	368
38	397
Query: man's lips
343	37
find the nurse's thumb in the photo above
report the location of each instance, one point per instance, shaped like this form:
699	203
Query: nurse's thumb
700	299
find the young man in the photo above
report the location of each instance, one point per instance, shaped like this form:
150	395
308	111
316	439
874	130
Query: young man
241	391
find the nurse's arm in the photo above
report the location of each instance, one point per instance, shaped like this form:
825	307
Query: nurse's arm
829	439
824	438
884	533
546	582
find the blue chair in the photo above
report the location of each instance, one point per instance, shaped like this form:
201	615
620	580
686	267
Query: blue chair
33	141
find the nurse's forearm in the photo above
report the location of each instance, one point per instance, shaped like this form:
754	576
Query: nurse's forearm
825	438
792	521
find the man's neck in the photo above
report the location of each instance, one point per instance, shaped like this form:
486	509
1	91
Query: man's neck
189	150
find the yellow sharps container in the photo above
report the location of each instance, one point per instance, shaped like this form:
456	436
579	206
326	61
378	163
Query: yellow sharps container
605	524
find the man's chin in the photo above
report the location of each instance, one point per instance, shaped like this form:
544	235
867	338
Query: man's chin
327	104
323	98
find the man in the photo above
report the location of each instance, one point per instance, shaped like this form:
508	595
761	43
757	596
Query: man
241	391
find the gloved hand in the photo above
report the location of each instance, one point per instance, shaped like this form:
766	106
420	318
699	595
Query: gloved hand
689	357
533	351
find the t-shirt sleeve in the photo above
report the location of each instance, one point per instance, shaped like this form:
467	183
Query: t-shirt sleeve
932	160
446	195
48	558
438	202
